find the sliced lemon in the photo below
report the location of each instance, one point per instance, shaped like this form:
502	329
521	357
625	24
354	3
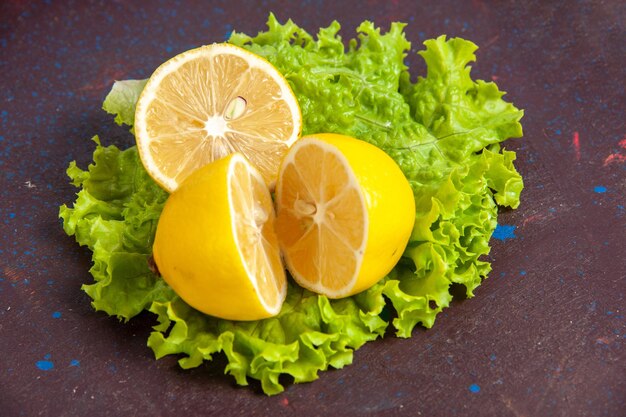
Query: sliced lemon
216	246
344	214
209	102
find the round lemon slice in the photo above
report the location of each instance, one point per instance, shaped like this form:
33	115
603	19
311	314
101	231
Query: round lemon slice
209	102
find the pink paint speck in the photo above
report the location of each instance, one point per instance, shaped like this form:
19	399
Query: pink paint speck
284	402
533	218
614	157
576	144
617	157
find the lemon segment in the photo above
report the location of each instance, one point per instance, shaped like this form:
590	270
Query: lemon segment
215	243
209	102
344	212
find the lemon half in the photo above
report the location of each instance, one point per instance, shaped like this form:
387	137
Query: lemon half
216	246
345	212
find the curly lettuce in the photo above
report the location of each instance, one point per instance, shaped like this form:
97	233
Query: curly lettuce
444	131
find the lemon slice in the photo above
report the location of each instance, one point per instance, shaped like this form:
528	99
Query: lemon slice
344	214
215	243
209	102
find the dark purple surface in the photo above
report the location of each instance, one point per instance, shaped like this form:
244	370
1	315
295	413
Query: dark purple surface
545	333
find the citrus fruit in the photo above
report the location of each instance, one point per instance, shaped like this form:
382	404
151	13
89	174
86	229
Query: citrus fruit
209	102
216	246
344	213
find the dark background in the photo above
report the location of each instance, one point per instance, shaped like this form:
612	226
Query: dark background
544	335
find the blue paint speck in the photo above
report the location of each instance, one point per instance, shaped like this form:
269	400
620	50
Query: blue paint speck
45	365
56	315
492	357
474	388
522	272
74	362
11	215
558	131
504	231
599	189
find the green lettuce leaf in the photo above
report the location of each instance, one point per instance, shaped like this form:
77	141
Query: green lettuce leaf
115	215
443	131
122	99
308	335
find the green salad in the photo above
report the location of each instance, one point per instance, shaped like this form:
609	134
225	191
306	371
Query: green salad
444	131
